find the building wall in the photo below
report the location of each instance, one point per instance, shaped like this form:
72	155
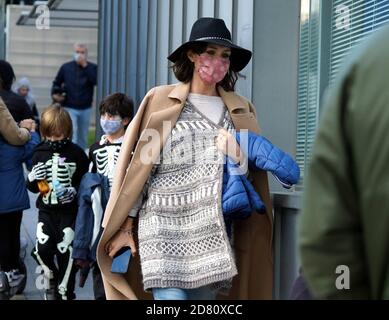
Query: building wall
38	54
275	75
276	44
2	27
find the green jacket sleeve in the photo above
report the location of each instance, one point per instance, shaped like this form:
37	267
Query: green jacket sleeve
330	232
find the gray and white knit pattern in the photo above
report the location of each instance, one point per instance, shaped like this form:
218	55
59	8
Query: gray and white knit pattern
182	237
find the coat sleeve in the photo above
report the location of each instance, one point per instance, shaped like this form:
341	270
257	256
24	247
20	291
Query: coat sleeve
9	129
329	229
30	146
91	73
59	80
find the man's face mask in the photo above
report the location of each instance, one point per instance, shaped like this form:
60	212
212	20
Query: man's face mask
77	56
111	126
212	70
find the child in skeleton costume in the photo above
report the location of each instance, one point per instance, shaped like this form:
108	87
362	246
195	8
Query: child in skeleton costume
59	164
116	112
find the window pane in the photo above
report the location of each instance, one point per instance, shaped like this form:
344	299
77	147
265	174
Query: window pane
308	80
352	21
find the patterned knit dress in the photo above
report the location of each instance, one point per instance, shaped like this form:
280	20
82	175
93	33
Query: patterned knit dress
182	237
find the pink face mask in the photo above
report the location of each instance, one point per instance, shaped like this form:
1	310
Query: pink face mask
213	69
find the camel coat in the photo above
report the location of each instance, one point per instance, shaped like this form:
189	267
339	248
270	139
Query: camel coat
9	130
253	237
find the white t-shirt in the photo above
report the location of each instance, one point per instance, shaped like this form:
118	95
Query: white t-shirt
211	106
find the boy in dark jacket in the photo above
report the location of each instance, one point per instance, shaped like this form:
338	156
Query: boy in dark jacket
58	166
13	200
116	112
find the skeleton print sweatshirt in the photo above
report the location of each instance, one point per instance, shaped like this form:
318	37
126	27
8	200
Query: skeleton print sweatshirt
104	156
66	165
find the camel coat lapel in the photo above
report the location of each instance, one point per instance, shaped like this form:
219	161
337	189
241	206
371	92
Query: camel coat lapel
163	105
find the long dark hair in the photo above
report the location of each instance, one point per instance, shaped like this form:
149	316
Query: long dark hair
183	68
7	75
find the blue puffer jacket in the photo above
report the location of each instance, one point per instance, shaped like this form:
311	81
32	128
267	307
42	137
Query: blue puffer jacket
239	197
263	155
13	191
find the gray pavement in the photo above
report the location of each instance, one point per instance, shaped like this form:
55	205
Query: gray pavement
31	292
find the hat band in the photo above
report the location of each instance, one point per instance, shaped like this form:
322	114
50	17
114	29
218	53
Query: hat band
213	38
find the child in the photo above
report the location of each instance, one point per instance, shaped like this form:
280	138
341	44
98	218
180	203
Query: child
58	166
116	112
23	88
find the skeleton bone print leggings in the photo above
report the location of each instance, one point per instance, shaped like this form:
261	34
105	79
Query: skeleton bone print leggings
54	239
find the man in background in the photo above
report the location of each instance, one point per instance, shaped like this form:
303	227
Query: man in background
73	87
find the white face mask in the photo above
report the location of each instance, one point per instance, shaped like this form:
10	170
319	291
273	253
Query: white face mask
77	56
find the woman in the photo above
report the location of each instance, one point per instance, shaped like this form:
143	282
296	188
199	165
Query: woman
23	89
184	250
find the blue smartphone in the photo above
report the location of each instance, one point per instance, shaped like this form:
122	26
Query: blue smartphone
121	261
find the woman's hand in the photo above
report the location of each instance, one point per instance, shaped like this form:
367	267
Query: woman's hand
227	144
58	98
33	127
122	238
28	124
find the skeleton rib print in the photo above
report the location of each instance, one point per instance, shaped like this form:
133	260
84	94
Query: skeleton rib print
106	159
58	169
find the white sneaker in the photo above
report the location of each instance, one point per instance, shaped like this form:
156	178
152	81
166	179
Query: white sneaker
14	277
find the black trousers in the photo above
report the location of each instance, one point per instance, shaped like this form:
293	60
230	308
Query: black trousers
98	286
10	240
53	249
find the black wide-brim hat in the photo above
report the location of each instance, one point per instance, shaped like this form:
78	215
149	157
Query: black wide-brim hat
215	31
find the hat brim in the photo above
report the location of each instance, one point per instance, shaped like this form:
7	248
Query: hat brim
240	57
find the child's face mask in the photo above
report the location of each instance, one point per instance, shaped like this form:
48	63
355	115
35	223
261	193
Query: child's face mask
56	145
111	126
212	70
